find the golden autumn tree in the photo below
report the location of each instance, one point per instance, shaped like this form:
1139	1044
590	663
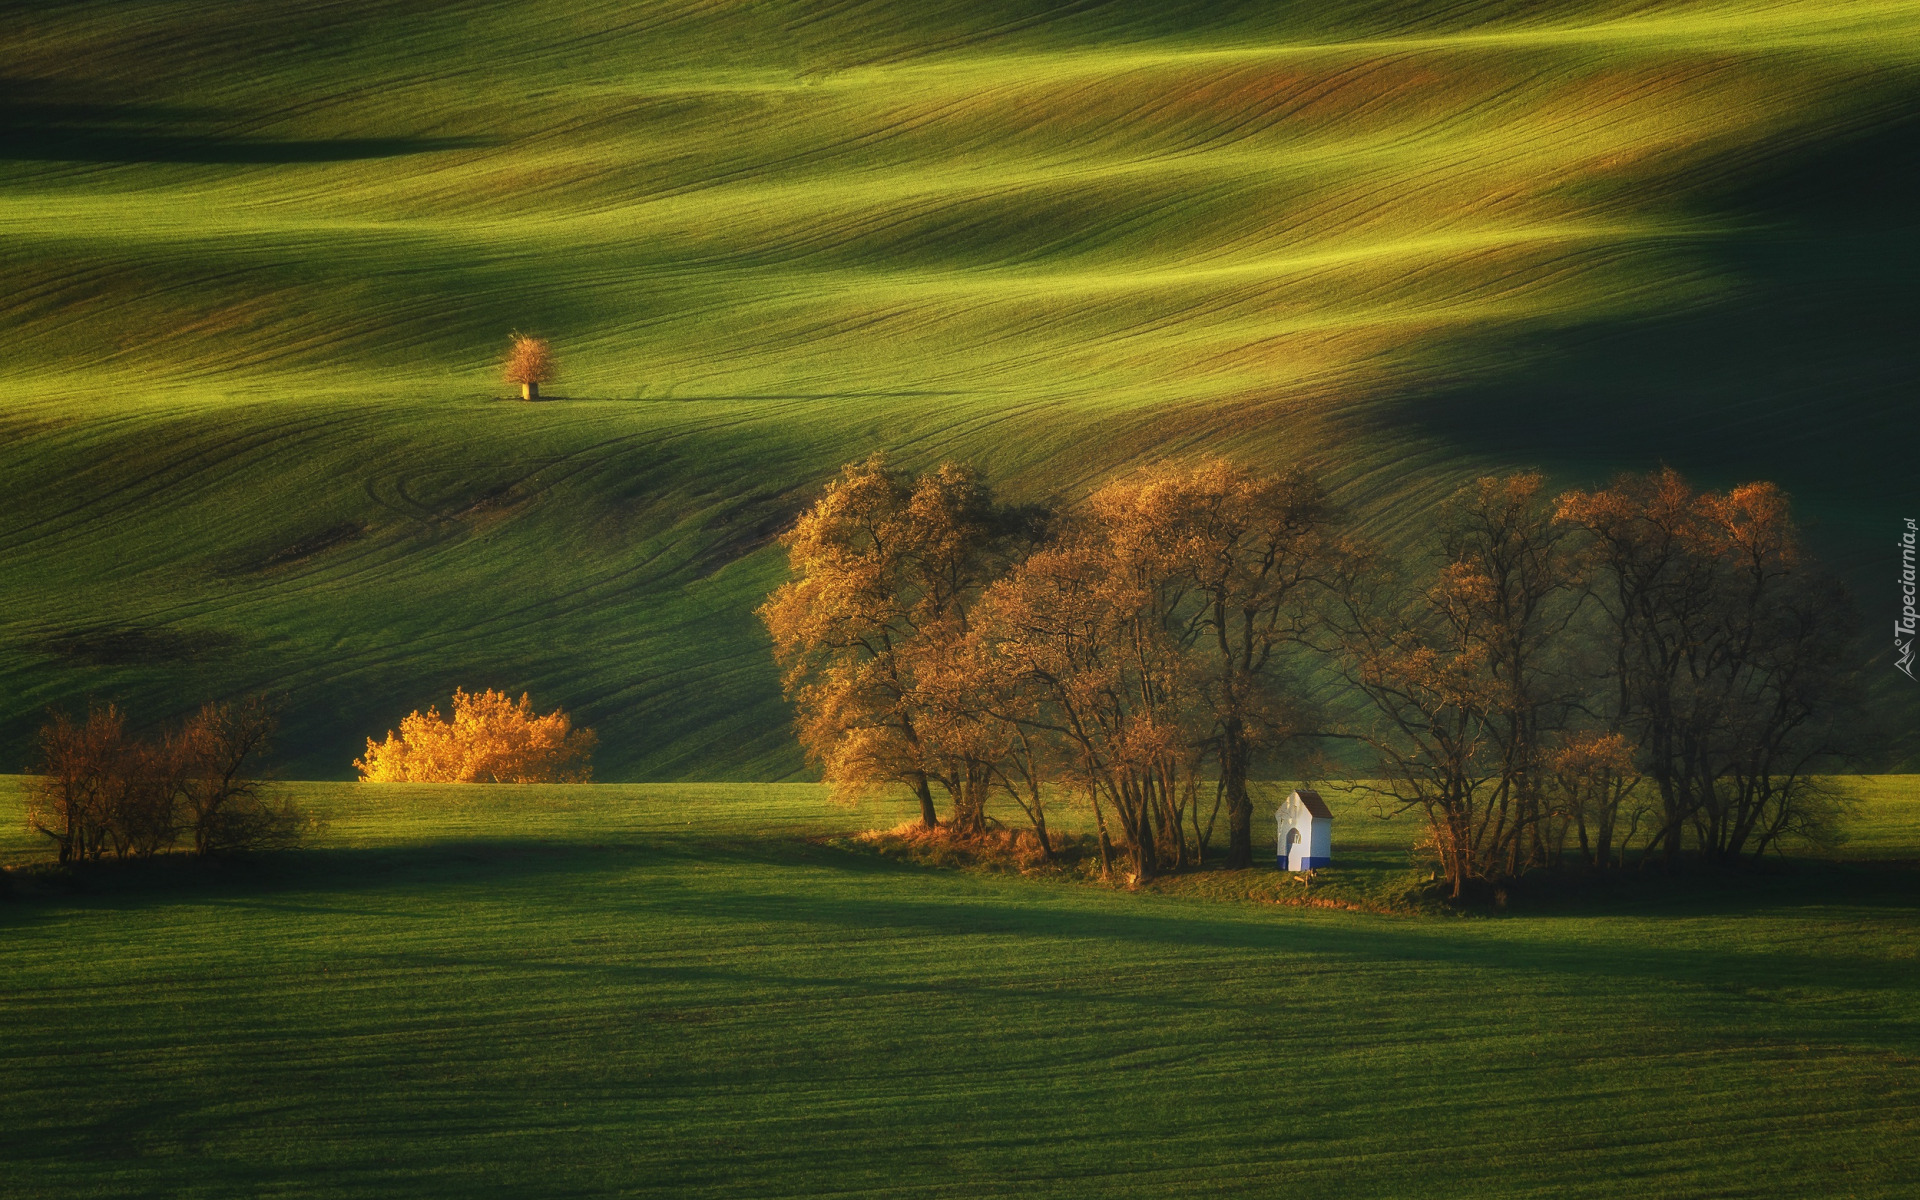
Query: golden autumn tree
885	565
490	738
1642	655
922	646
1507	585
1239	555
1077	637
222	799
1458	671
88	777
1145	645
529	363
1598	794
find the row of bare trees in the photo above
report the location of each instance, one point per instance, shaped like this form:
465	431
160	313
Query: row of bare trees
1640	661
1643	666
102	790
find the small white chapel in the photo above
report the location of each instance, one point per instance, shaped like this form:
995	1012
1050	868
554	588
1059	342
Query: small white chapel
1305	837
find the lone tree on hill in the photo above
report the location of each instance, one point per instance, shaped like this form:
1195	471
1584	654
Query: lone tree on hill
529	363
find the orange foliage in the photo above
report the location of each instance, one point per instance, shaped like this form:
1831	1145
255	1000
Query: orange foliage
884	566
529	360
491	739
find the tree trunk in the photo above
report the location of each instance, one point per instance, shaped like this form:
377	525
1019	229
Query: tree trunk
928	818
1106	843
1233	776
1039	811
1676	817
530	390
1145	863
1459	849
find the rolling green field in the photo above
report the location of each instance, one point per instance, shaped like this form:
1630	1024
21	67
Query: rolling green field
261	258
688	990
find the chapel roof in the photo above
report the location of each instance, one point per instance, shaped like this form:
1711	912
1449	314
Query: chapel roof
1311	801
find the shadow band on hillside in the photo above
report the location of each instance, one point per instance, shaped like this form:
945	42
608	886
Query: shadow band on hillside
39	126
126	146
1802	371
1814	335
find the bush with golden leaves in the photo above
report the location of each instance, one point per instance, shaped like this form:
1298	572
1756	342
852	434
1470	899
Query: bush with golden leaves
490	738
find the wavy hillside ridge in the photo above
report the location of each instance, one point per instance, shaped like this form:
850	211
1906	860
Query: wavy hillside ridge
263	259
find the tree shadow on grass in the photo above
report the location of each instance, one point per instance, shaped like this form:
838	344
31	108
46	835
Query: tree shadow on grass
1774	886
269	878
131	146
41	124
766	892
1027	954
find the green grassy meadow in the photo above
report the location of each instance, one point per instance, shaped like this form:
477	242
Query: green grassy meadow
688	990
262	258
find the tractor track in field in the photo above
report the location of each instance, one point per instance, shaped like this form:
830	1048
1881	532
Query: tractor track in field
198	465
377	555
